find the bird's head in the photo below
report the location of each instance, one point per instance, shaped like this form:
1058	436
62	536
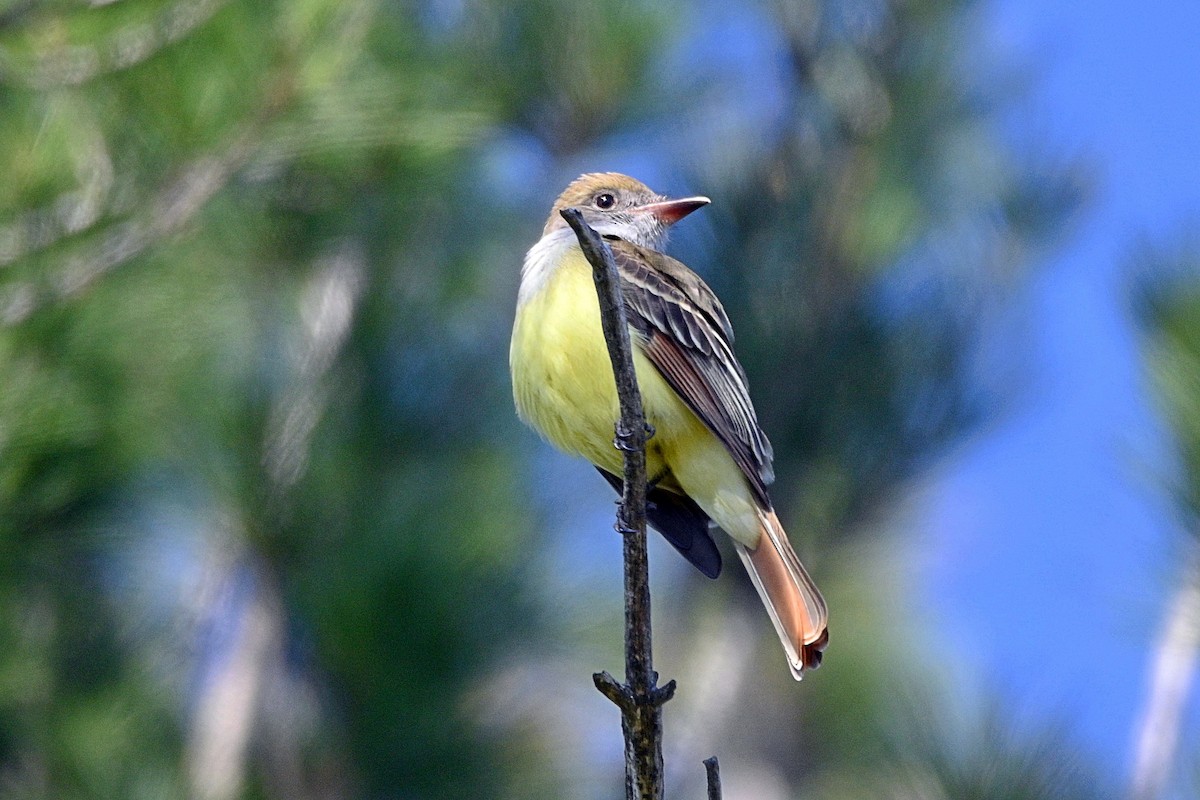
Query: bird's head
618	205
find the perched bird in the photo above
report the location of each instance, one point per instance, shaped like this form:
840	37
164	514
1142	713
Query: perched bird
708	459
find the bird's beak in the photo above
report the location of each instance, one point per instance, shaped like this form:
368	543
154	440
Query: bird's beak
671	211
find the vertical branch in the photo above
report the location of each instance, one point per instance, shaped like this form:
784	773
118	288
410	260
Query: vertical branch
1172	673
639	698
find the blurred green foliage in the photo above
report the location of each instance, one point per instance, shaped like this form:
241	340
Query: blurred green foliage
1165	290
257	267
1167	305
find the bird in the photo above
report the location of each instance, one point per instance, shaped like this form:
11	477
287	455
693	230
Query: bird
708	461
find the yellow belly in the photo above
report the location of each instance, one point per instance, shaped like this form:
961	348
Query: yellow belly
564	388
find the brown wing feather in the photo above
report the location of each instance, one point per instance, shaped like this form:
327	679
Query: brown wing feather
686	335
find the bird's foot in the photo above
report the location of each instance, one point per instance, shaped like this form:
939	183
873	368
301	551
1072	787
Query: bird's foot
626	441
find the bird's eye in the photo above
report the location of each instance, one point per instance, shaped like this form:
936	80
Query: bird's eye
605	201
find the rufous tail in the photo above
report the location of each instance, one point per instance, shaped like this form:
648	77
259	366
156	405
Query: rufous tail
792	599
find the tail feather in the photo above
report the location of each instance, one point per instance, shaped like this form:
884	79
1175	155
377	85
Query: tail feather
792	599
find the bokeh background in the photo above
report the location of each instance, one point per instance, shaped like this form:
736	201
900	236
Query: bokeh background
269	527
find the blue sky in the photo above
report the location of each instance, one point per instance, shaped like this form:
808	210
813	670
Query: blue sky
1052	544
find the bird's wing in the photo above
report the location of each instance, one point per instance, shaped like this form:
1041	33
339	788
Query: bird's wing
686	335
681	522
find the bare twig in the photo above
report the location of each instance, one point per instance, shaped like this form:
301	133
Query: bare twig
639	698
713	770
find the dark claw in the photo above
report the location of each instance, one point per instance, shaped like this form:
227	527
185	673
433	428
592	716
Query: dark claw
622	440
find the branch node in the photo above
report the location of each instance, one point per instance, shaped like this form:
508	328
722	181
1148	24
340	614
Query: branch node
614	691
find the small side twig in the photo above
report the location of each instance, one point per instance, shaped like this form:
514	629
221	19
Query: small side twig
639	698
713	771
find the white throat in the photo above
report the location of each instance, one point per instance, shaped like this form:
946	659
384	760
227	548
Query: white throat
542	260
545	256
